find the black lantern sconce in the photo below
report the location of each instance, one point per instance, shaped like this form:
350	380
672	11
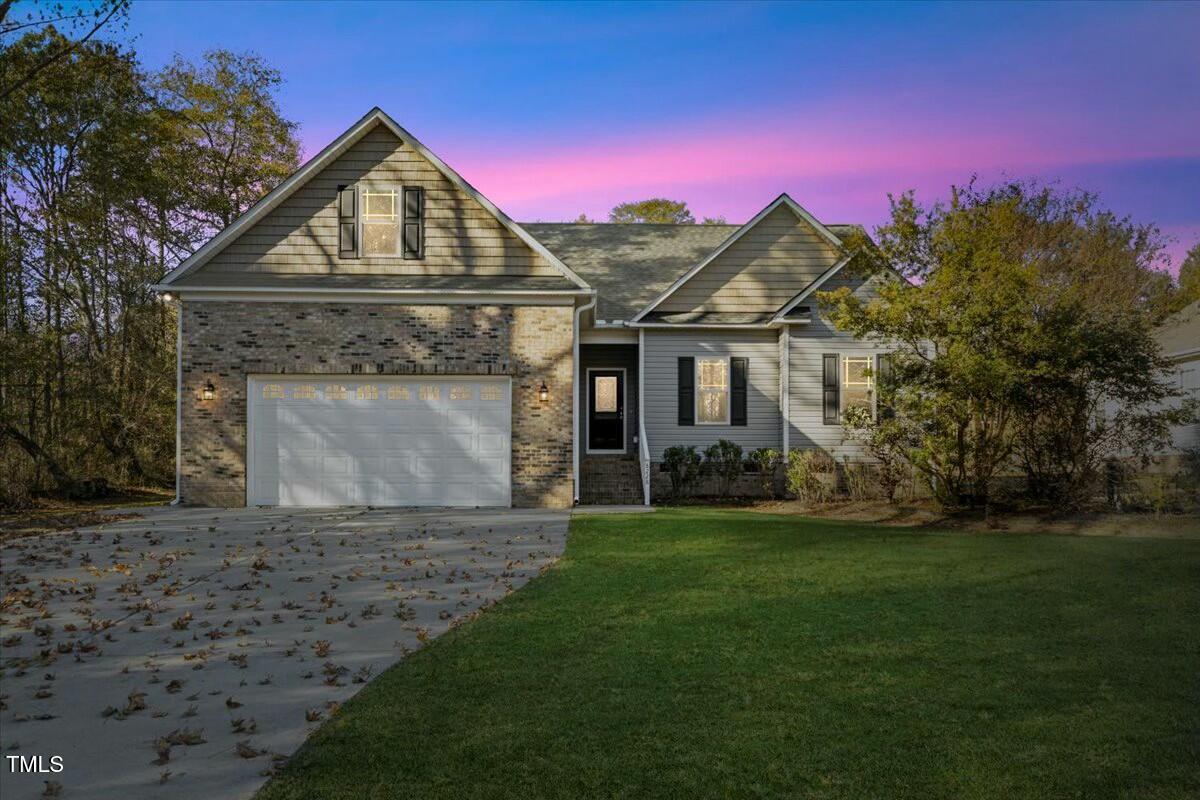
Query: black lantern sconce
544	393
208	392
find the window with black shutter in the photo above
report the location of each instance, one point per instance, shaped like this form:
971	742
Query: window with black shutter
347	209
830	399
738	388
687	390
414	222
883	386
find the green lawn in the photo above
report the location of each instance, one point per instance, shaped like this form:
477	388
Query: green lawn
709	653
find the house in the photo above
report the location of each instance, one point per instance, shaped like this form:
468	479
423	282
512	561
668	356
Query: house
1179	339
375	331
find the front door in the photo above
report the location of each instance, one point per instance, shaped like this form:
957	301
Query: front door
606	410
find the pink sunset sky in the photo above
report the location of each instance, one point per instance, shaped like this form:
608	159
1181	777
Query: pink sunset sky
553	110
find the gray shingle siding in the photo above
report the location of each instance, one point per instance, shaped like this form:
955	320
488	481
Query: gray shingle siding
663	348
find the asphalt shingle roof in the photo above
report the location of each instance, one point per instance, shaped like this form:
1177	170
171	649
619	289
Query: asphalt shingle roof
628	265
631	264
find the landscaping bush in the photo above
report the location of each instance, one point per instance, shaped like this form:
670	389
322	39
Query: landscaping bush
766	461
724	460
889	441
860	480
811	476
683	465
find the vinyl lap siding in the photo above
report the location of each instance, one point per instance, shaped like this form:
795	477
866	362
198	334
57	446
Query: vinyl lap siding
807	343
300	236
663	348
760	272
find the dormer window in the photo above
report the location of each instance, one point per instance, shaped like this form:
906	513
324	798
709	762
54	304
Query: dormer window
380	222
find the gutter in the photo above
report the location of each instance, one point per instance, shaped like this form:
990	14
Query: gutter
166	287
590	304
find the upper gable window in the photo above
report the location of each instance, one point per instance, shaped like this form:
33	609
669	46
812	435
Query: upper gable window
393	222
380	222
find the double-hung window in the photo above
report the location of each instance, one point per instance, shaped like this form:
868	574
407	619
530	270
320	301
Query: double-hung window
712	391
380	222
858	385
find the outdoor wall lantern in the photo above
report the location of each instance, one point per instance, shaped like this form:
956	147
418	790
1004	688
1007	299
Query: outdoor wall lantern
544	393
209	391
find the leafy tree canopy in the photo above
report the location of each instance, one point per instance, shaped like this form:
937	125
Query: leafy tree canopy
1024	336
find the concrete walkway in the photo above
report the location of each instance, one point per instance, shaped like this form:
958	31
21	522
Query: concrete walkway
188	653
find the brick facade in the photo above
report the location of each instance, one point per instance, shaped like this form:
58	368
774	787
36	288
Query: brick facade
224	342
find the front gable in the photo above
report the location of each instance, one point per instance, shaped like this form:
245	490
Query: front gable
291	237
759	269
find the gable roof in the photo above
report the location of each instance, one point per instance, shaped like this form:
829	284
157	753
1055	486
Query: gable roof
337	147
782	200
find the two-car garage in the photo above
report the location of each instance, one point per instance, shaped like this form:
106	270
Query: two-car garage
381	441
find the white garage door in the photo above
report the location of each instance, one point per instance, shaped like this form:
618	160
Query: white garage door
337	441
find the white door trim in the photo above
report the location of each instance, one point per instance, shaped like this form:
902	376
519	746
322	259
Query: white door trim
587	425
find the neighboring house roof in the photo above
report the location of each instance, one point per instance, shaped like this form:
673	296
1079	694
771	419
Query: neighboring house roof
1179	335
373	118
630	264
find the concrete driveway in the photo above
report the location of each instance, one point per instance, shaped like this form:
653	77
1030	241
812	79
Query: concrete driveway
187	653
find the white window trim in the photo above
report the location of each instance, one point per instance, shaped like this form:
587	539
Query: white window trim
398	213
728	388
587	423
872	360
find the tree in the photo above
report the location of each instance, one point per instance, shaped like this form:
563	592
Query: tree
656	210
85	19
98	198
1189	279
229	130
1028	315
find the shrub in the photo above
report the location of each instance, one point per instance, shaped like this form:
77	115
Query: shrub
888	442
683	466
859	479
724	460
809	476
766	460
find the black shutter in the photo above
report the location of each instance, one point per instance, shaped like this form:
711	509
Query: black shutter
883	386
687	390
740	369
414	222
347	208
830	395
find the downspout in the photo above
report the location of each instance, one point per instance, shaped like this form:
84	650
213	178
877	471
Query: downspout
643	445
785	381
178	397
575	392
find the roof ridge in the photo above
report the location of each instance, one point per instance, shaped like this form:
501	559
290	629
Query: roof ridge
688	225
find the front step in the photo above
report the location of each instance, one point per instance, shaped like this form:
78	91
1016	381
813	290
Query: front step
610	481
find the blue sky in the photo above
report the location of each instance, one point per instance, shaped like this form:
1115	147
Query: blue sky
557	109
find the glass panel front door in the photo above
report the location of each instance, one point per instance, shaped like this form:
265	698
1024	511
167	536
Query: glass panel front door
606	410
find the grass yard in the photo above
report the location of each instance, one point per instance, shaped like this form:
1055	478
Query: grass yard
715	653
